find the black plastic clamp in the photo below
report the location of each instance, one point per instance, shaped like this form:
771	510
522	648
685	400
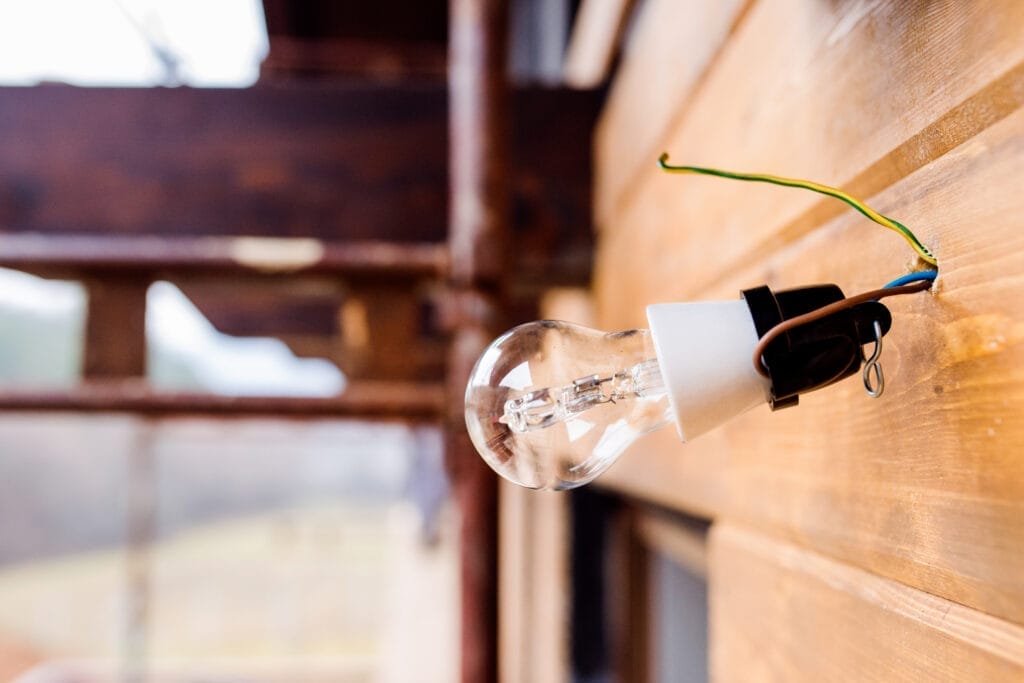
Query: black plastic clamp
818	353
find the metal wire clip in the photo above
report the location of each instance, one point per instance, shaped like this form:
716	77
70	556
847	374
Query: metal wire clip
874	386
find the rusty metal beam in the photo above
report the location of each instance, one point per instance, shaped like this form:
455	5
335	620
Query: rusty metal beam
479	239
364	400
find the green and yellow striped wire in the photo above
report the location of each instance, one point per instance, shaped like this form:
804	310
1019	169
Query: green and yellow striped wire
922	251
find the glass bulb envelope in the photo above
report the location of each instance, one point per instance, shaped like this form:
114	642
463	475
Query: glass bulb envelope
551	405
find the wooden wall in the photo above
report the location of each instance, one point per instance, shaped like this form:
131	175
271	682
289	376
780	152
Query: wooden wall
853	538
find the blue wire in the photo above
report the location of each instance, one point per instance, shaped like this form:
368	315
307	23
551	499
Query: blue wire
914	277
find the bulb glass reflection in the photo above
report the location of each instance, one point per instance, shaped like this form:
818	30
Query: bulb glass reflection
551	405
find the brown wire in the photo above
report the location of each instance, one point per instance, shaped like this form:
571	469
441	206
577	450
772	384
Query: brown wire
787	325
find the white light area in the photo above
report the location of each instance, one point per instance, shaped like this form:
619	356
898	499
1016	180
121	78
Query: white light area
186	351
31	295
229	365
488	360
578	428
518	378
613	441
96	42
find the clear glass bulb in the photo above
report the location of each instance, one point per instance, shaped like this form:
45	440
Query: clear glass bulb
551	405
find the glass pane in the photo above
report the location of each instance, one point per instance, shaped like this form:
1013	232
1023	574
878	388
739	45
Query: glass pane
679	618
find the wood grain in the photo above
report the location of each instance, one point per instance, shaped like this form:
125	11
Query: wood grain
780	613
300	160
670	48
926	485
805	89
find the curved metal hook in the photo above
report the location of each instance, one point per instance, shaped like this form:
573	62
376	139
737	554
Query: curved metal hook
874	385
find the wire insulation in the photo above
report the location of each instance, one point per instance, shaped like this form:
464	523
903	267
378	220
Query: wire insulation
926	255
920	275
787	325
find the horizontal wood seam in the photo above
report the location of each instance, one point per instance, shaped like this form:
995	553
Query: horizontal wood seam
968	625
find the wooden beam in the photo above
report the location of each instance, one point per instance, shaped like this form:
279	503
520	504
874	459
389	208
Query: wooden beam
478	235
325	161
384	62
381	331
534	550
423	21
115	327
479	242
594	41
363	400
340	169
173	257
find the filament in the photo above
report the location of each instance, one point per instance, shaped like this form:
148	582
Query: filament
545	407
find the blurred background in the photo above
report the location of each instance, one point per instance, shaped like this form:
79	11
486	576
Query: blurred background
230	286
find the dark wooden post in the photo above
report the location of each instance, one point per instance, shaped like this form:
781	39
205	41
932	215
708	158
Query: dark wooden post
478	239
115	349
115	328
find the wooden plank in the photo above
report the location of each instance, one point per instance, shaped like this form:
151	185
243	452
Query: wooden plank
314	161
392	315
364	400
172	257
671	48
780	613
924	485
514	550
394	22
549	588
478	237
594	41
368	60
809	90
533	585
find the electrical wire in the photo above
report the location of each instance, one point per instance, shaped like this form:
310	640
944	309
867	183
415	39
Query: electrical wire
874	295
926	255
920	275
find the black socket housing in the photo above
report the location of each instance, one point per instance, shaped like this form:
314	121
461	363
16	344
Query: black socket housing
818	353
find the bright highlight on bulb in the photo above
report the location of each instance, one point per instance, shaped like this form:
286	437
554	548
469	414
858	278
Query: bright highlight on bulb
551	405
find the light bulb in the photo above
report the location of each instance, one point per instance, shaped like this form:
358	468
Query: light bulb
551	405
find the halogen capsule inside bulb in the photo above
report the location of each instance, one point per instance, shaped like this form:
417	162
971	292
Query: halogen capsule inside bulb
551	405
